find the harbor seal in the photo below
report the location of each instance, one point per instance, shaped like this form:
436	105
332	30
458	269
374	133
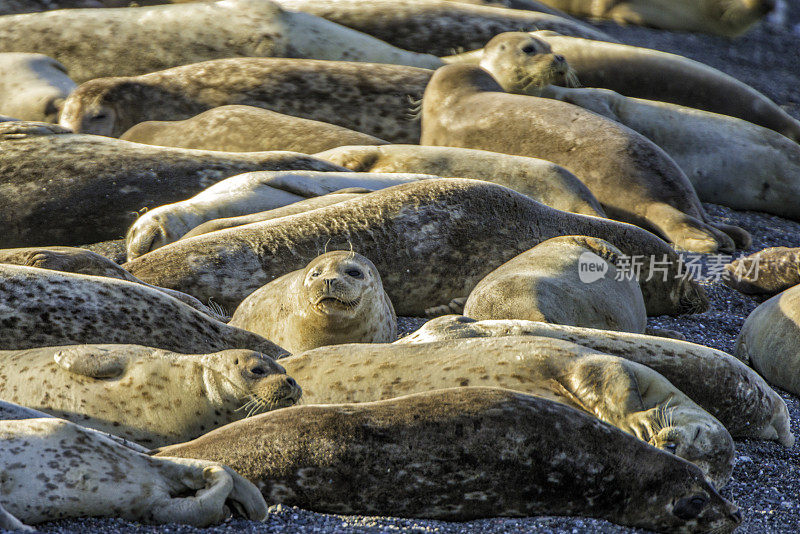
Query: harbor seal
244	194
634	180
729	18
767	272
208	30
150	396
60	188
39	307
769	340
437	26
369	98
487	452
53	469
292	209
572	280
82	261
654	75
338	298
624	394
33	87
431	240
247	129
736	395
541	180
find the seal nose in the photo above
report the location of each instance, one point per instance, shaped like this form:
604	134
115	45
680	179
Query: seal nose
737	516
292	382
559	58
767	6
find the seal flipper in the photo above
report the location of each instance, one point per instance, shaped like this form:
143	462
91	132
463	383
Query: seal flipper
98	362
298	185
9	522
687	232
455	306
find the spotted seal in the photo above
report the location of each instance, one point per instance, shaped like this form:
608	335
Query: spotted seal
39	307
59	188
487	452
244	194
33	86
736	395
769	339
431	240
150	396
208	30
552	282
54	469
625	394
436	26
633	179
368	98
338	298
538	179
247	129
767	272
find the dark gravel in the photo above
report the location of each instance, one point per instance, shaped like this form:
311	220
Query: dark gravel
766	479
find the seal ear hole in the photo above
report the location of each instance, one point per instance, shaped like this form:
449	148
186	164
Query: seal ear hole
689	507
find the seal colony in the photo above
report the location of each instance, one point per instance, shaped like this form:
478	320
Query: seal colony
268	209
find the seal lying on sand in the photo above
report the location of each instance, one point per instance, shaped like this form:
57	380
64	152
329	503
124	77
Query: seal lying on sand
82	261
338	298
541	180
552	282
633	179
436	26
770	340
172	35
625	394
53	469
39	308
462	454
33	87
369	98
244	194
247	129
64	189
431	240
737	396
150	396
767	272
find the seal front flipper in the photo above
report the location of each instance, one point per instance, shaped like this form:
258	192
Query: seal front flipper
455	306
99	362
22	129
9	522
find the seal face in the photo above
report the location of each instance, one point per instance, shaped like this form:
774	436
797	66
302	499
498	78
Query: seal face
766	272
627	395
338	298
53	469
487	452
33	86
574	280
149	396
737	395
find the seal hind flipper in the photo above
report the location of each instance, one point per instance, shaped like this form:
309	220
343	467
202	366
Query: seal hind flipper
298	185
9	522
99	362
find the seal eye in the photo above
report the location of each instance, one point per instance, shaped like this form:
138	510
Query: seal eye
529	49
315	274
671	447
99	117
355	273
258	371
690	507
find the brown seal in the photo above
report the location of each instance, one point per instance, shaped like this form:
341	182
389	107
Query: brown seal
541	180
150	396
437	26
736	395
431	240
59	188
368	98
767	272
770	337
338	298
33	87
172	35
634	180
462	454
53	469
572	280
624	394
247	129
39	307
